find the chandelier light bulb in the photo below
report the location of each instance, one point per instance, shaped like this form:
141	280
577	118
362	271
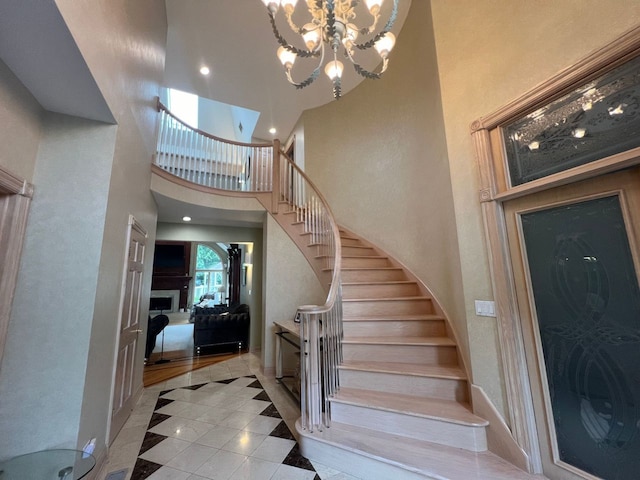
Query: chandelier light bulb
385	44
334	69
374	5
579	132
311	36
352	34
288	5
286	57
272	5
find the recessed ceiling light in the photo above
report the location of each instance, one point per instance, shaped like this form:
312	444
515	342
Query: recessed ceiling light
186	219
272	131
204	70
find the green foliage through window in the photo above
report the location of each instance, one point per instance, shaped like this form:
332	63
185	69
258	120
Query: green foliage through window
209	275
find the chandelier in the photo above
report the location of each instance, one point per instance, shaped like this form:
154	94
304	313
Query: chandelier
331	27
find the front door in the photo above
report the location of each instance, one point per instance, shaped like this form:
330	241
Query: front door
129	333
575	256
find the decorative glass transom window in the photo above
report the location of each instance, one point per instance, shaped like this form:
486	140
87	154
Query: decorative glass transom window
596	120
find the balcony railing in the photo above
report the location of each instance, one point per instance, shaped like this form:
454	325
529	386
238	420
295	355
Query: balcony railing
201	158
253	169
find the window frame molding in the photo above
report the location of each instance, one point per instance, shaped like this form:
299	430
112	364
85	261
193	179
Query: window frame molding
495	189
15	200
224	260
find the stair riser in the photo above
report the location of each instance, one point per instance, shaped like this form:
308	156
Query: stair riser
364	308
468	437
444	388
364	262
350	242
380	291
421	354
394	328
357	250
372	275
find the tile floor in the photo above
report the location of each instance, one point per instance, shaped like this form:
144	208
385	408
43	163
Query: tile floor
223	422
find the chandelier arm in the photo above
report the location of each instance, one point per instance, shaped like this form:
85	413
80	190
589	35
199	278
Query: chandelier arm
387	28
292	25
285	44
371	75
331	19
311	78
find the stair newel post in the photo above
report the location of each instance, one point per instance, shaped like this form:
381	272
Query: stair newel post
314	380
275	199
310	374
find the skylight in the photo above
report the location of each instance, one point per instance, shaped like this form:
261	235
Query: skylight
184	106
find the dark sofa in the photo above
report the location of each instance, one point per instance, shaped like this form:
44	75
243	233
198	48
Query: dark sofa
226	331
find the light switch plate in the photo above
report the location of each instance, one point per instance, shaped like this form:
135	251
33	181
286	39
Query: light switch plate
485	308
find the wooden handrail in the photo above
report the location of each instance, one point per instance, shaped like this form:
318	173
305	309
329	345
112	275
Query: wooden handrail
335	283
320	325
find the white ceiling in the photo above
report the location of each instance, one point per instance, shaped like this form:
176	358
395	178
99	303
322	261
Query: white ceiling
172	211
234	39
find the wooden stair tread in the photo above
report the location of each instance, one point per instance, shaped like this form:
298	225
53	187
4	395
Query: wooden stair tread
430	341
424	458
410	369
386	299
419	406
384	282
370	268
344	234
394	318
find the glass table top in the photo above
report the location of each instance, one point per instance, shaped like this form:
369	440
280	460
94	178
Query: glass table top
58	464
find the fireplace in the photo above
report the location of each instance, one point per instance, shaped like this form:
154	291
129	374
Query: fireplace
164	301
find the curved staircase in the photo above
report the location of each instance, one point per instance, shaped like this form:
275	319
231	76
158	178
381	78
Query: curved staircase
385	391
403	408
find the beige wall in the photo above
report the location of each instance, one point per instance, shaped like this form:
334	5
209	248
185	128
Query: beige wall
20	117
379	157
490	52
288	283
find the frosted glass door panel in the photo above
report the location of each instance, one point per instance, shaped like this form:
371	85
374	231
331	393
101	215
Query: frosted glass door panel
587	306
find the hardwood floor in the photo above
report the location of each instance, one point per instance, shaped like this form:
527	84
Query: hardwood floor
156	373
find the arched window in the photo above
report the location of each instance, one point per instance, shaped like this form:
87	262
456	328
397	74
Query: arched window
209	275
